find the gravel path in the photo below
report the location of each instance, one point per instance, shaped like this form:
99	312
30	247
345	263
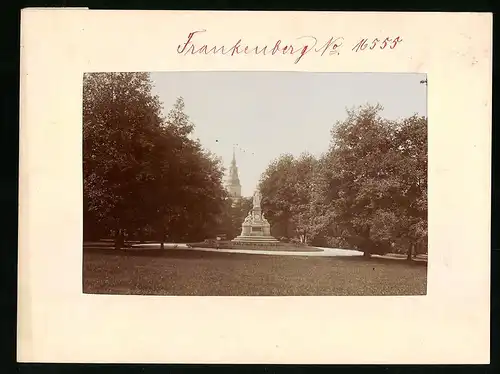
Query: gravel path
324	252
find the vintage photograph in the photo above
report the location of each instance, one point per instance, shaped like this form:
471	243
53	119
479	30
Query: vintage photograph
255	183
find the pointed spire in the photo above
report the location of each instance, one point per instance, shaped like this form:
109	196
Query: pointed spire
233	181
234	170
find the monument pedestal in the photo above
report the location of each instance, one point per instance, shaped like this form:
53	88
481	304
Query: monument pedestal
255	229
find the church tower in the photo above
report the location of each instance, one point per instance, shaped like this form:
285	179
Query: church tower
233	181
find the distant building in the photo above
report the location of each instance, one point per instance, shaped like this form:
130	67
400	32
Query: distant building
233	185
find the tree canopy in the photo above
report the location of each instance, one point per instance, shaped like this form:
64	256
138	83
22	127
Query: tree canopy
369	192
142	171
287	189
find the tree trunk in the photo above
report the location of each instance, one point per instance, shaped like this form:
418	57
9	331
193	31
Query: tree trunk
418	249
119	244
141	235
162	245
410	252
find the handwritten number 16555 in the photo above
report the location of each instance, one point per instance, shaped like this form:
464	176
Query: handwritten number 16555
377	43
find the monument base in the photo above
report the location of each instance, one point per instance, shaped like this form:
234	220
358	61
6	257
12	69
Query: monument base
254	239
255	229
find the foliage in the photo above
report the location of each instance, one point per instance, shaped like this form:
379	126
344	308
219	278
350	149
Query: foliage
289	196
233	215
379	171
369	192
143	171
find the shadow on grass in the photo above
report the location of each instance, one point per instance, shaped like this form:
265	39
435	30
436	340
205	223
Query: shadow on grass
194	254
385	261
167	253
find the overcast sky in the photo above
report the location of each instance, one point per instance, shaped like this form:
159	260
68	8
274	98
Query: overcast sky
265	114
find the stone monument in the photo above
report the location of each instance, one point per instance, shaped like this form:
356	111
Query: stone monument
255	228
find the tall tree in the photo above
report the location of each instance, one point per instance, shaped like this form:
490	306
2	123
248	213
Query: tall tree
378	187
277	190
142	170
194	192
287	190
410	140
121	123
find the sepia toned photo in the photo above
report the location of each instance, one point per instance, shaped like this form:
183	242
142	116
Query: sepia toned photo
255	183
259	209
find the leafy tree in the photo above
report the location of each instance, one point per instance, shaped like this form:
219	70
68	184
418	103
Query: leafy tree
277	191
410	138
287	190
142	171
178	121
378	182
325	231
303	208
369	192
194	210
121	122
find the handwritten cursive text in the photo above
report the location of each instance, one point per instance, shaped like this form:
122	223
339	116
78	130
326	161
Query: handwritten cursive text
303	46
193	45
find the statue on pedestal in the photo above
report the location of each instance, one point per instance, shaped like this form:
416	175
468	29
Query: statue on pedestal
255	227
257	197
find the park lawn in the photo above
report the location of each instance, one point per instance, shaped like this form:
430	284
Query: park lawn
189	272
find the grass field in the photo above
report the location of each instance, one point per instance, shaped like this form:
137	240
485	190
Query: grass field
188	272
